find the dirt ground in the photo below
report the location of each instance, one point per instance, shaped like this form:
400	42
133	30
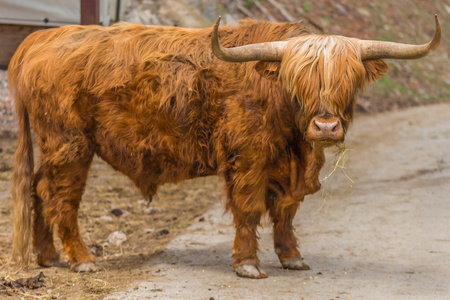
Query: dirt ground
379	230
148	229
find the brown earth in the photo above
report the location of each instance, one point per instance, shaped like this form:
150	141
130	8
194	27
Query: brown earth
148	229
382	234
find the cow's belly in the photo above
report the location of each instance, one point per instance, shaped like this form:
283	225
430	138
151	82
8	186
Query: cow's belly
154	159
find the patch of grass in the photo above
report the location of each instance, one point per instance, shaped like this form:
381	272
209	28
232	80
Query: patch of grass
250	3
385	85
307	6
388	87
185	224
325	19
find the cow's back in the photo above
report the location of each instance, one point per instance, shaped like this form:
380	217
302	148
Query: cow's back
132	92
148	99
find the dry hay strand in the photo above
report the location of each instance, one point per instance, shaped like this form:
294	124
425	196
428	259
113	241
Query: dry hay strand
340	159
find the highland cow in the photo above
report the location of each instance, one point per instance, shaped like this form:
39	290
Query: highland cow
163	104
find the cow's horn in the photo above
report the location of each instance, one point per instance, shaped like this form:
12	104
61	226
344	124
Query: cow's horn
272	51
378	49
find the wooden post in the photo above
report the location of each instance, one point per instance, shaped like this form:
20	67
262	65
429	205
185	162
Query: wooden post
90	12
11	36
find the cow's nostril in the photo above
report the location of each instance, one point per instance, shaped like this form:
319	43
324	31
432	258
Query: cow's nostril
316	126
335	127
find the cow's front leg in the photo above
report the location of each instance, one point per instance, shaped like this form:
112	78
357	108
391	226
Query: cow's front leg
246	200
282	212
246	262
314	160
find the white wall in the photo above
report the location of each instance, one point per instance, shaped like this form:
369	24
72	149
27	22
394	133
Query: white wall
49	12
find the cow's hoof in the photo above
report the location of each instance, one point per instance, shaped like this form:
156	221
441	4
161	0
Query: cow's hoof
295	263
58	262
250	271
89	266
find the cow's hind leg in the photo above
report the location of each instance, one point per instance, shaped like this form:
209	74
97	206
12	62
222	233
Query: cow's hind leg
71	181
282	211
61	188
43	245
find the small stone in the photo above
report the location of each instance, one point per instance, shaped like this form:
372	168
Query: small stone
106	218
364	12
117	212
117	238
163	232
152	210
142	202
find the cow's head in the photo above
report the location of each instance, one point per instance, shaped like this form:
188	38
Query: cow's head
323	74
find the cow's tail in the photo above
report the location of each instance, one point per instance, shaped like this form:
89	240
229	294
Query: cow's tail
23	168
21	188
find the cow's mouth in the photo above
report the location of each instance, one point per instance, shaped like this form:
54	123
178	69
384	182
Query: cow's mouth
325	142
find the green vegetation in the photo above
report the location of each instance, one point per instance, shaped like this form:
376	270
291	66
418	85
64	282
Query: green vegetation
249	3
307	6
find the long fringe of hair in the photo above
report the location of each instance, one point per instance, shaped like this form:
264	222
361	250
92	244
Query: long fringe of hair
326	68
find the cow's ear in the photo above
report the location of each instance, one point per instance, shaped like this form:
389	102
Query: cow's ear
375	69
268	69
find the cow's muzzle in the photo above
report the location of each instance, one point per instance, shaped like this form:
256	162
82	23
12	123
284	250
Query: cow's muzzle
325	132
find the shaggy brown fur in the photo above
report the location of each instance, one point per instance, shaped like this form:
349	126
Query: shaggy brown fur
157	105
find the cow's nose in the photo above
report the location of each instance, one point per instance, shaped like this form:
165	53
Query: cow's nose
325	131
326	128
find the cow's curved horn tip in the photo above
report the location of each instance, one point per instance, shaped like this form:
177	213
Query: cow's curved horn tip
438	25
218	21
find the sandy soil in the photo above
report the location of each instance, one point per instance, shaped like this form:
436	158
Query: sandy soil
384	234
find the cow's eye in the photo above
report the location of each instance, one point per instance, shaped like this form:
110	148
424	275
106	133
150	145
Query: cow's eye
349	107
